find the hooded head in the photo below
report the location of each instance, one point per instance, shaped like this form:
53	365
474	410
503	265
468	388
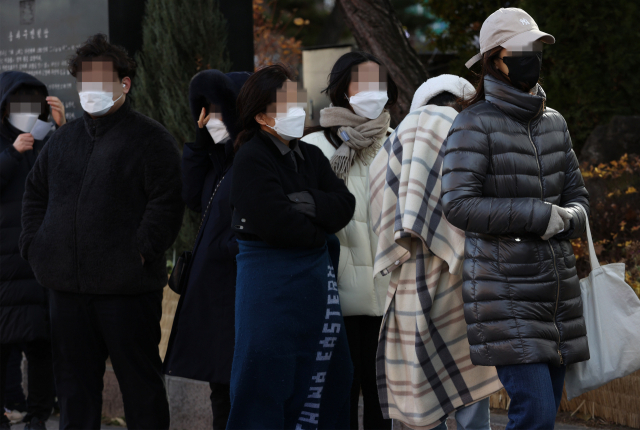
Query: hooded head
214	87
21	93
455	85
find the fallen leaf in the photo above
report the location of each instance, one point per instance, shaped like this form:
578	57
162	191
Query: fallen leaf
631	190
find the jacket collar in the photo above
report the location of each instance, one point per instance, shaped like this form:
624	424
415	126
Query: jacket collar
517	104
100	125
284	149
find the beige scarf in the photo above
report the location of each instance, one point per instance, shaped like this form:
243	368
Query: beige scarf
361	137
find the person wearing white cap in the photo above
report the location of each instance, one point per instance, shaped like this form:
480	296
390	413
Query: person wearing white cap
511	181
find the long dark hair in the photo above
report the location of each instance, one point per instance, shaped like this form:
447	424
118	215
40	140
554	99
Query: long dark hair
338	85
445	98
256	94
488	68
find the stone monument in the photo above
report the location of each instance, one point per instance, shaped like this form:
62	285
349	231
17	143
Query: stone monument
38	36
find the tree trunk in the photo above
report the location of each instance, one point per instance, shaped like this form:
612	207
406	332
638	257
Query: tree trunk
378	30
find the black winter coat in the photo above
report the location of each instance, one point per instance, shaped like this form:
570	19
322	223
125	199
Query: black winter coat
202	337
507	159
102	193
23	302
263	177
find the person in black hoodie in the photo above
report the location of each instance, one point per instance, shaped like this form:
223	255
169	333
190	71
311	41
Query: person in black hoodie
291	364
102	205
24	317
202	337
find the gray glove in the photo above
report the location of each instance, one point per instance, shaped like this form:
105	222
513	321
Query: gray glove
559	221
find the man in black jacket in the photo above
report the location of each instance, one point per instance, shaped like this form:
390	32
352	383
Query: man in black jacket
102	205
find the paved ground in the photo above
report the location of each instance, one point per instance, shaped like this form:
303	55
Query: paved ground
53	422
498	422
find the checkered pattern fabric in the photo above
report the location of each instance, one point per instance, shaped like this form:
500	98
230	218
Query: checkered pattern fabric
423	363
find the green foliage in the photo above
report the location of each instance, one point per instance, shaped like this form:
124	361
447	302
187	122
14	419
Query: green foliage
416	20
591	72
589	75
180	38
465	18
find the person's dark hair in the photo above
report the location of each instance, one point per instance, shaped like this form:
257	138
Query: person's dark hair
338	85
97	47
445	99
488	68
258	92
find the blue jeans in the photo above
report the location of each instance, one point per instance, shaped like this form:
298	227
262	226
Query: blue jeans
472	417
535	391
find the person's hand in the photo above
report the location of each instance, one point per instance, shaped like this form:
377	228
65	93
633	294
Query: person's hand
24	142
559	221
142	258
202	121
57	110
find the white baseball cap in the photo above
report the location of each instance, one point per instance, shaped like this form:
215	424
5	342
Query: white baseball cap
511	28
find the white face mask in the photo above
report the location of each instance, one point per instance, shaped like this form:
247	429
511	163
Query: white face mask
369	104
217	130
23	121
98	103
291	126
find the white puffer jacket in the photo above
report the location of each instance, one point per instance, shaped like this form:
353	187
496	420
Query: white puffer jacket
360	293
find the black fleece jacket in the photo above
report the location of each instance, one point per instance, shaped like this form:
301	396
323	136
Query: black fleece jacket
102	193
262	179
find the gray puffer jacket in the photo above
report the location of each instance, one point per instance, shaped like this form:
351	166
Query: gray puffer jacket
507	159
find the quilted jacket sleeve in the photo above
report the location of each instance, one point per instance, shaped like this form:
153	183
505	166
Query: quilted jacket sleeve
574	192
466	164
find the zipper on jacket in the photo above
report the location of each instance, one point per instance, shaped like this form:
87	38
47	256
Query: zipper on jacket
555	311
535	150
75	215
553	253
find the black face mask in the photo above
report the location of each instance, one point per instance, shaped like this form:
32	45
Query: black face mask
524	71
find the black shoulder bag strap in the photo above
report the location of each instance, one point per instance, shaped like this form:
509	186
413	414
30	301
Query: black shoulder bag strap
180	273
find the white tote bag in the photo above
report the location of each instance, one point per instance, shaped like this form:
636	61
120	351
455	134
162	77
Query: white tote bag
612	315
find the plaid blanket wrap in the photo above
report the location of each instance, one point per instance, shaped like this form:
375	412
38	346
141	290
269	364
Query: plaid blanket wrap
424	370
